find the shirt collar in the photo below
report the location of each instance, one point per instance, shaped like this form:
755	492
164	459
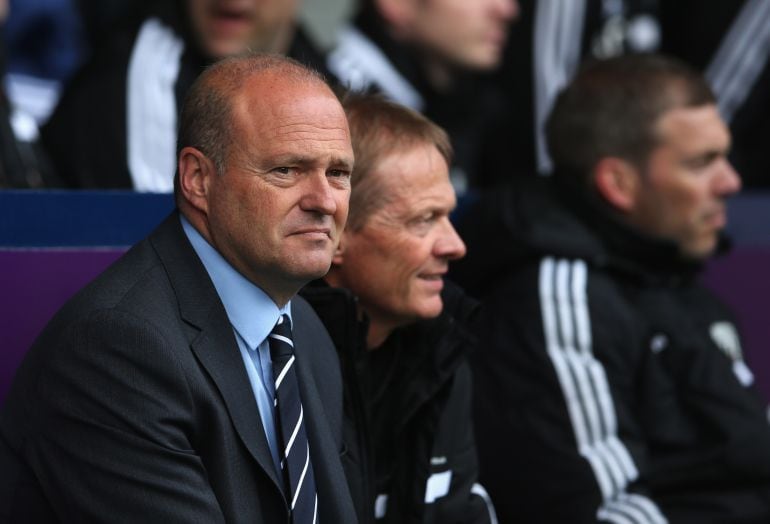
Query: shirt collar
252	313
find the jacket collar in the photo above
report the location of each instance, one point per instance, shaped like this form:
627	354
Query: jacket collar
436	349
627	248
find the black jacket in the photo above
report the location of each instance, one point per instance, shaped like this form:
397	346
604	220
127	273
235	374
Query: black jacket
610	384
407	409
87	136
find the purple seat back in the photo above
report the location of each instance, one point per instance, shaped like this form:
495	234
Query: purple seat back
52	243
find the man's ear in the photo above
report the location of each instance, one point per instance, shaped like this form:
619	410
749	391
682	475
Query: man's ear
617	181
339	254
195	172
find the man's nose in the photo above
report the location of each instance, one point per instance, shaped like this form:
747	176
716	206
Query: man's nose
319	195
507	9
449	244
728	181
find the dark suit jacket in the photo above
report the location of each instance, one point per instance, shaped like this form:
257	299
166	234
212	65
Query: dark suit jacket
134	405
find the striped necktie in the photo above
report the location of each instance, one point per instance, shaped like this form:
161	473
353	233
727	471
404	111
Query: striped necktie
295	453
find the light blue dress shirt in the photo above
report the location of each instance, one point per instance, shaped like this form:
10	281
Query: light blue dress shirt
253	315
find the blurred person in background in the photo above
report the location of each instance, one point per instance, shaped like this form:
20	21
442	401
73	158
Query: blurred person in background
115	126
730	43
434	57
549	42
610	383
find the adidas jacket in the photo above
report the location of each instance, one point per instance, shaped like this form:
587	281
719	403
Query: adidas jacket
409	432
610	385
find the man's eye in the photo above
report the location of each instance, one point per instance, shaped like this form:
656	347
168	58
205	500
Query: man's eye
423	222
338	173
699	163
283	170
703	161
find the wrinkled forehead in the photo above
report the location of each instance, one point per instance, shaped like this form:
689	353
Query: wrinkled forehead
283	96
276	114
414	174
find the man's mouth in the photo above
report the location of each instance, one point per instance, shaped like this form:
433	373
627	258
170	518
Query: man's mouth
226	18
716	218
320	233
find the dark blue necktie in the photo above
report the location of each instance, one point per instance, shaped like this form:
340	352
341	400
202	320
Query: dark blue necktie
295	452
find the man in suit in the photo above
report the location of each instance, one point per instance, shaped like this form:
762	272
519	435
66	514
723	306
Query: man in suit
149	397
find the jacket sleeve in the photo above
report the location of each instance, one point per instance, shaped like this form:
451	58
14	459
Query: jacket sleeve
549	412
108	424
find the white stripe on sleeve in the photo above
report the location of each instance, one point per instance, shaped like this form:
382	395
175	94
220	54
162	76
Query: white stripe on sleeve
583	380
741	57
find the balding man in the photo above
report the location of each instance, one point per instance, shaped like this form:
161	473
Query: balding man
164	391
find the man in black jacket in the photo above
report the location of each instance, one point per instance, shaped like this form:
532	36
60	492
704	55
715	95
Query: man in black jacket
431	56
610	384
115	125
401	331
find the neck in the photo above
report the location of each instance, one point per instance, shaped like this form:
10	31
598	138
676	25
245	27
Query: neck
380	328
377	335
278	287
438	73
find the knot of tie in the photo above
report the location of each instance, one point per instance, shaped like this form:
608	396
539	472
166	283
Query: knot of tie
280	341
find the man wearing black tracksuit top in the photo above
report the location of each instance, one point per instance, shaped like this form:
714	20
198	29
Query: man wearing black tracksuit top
407	407
403	334
115	125
610	384
433	57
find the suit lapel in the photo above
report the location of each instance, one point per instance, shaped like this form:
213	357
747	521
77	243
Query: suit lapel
225	366
213	340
